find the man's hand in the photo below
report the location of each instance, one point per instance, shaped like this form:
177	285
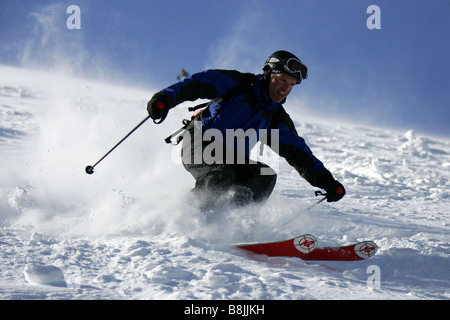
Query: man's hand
158	107
335	191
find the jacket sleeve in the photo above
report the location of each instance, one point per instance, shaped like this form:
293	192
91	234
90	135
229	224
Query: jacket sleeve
294	149
208	84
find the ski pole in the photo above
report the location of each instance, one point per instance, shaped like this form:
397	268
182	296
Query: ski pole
90	169
317	193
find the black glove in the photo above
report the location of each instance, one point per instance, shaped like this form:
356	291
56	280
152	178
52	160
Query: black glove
158	107
335	191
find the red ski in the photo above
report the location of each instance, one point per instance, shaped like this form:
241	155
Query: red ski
295	247
359	251
305	248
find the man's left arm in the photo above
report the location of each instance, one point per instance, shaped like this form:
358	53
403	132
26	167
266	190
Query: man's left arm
208	84
294	149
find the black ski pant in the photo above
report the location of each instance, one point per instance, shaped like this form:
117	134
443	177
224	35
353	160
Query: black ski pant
249	182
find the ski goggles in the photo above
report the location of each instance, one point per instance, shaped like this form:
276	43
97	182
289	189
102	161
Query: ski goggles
295	66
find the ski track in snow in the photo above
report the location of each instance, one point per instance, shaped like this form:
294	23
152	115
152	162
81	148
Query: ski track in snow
130	230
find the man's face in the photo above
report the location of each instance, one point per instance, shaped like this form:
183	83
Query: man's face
280	86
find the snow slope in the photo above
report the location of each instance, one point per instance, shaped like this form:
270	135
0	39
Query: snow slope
129	231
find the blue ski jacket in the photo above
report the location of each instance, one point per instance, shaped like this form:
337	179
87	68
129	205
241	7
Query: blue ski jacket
251	108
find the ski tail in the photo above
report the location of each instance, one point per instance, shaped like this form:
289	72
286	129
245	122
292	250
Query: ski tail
294	247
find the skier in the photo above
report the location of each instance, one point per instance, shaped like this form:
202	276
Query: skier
183	75
248	102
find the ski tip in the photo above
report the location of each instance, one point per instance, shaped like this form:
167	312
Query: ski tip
366	249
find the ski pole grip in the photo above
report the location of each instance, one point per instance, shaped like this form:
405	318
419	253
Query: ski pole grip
320	193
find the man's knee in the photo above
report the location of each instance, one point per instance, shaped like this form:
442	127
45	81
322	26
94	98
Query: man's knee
220	178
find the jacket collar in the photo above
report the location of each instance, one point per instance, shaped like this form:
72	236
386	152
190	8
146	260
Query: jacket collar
262	87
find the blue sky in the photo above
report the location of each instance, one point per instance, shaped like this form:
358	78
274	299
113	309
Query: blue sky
396	76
